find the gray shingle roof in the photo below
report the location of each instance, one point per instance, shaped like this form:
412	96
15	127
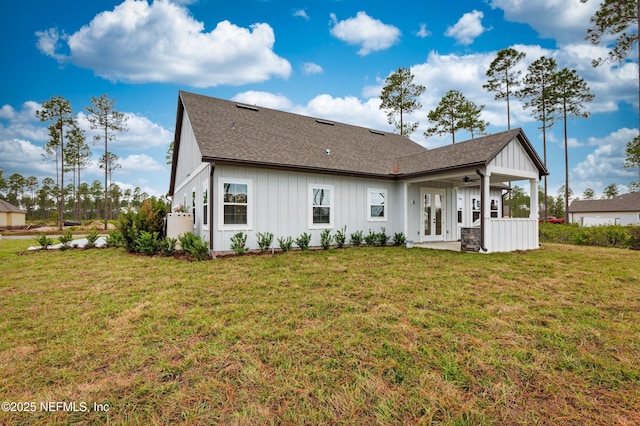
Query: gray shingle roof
622	203
5	207
232	133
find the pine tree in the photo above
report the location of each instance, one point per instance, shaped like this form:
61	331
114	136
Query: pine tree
398	99
503	79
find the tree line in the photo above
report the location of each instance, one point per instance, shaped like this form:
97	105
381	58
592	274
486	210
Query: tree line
68	150
39	199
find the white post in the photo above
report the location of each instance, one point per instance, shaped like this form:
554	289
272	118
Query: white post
533	198
488	241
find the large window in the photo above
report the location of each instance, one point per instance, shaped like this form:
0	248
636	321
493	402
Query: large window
235	199
377	204
321	206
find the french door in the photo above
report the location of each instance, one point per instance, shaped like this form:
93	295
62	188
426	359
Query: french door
432	210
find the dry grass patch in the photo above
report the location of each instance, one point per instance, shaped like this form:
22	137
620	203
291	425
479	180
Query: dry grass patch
356	336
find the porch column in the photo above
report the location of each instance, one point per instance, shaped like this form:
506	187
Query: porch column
486	207
533	198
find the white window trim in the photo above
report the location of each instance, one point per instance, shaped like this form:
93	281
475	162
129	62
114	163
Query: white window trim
370	218
205	214
332	197
250	201
194	205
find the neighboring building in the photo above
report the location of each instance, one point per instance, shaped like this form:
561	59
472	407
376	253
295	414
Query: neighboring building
238	167
11	216
621	210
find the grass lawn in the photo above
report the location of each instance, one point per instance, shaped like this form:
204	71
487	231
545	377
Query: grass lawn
356	336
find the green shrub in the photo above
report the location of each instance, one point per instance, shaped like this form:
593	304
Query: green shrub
115	239
383	238
239	243
303	241
356	238
65	240
168	246
264	241
147	243
285	243
149	217
92	237
634	237
603	236
326	239
341	236
399	239
194	247
372	238
43	240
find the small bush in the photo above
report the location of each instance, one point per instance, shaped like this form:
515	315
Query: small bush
92	237
65	240
634	237
194	247
326	239
239	243
115	239
44	241
383	238
372	238
303	241
264	241
285	243
341	237
168	246
147	243
399	239
356	238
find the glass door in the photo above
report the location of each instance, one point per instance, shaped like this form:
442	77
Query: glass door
432	205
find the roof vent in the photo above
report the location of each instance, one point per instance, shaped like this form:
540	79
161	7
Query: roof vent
376	132
249	107
329	123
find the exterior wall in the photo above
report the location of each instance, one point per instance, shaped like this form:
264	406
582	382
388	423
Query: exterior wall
189	156
470	214
4	218
279	202
509	234
514	158
12	219
414	210
617	218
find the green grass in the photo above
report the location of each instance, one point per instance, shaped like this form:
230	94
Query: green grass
357	336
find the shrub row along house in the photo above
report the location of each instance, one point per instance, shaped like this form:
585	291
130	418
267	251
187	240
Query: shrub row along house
239	167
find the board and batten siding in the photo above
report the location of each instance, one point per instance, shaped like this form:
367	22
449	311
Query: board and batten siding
189	158
279	202
513	160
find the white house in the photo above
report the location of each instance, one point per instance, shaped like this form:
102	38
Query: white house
621	210
239	167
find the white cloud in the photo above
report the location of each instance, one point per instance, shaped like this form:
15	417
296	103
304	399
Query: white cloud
23	124
301	13
137	163
141	133
467	28
368	33
263	99
310	68
604	164
139	42
349	109
562	20
22	156
423	32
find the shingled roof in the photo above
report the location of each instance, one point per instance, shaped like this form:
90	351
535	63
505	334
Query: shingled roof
229	132
6	207
622	203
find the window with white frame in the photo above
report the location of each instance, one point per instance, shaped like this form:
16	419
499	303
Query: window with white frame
193	205
321	206
377	205
205	204
235	199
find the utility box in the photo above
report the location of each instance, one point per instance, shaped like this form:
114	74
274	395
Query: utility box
179	224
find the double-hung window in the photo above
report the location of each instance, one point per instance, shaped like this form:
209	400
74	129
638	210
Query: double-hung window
377	204
235	199
205	204
321	206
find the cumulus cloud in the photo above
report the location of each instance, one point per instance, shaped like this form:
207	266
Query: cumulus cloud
309	68
301	13
467	28
264	99
139	42
141	133
368	33
22	124
348	109
139	162
564	21
423	32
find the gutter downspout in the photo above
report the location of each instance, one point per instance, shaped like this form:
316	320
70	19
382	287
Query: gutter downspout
212	167
482	218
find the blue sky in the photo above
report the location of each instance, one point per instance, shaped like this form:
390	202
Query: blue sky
324	58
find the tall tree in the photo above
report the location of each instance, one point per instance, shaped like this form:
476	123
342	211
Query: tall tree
589	194
570	93
111	162
473	123
610	191
58	111
104	117
454	112
632	151
620	19
399	98
16	189
78	157
503	79
3	183
537	91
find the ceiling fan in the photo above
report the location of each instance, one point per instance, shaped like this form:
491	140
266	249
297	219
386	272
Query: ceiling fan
467	179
